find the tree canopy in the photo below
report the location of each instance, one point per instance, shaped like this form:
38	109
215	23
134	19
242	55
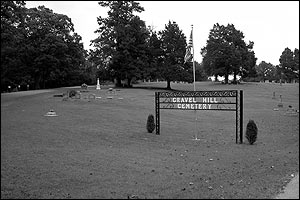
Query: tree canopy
289	64
173	46
227	53
122	40
44	51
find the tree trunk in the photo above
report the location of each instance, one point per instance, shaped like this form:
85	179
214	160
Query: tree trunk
226	76
168	84
129	82
37	81
234	77
118	82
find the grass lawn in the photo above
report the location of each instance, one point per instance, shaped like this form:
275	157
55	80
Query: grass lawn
100	148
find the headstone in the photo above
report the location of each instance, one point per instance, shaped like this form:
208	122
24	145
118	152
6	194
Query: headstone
111	91
51	113
291	111
98	84
84	86
280	104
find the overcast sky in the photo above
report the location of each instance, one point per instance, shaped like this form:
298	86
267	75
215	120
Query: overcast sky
271	25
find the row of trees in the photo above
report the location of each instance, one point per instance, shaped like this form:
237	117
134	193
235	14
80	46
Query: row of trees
126	49
40	48
286	71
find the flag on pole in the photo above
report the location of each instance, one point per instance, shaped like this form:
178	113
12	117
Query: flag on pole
188	54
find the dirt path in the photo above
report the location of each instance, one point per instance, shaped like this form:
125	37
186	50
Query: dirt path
291	191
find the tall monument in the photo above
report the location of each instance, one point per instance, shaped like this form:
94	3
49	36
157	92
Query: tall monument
98	84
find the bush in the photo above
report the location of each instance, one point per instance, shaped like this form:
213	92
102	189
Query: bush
72	93
84	86
251	132
150	123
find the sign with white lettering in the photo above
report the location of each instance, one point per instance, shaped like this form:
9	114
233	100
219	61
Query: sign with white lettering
225	100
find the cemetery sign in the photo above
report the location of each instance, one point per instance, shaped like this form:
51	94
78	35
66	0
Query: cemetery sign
224	100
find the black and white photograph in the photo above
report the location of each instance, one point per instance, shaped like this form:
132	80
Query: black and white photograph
149	99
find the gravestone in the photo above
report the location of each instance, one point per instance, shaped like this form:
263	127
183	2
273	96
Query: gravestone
51	113
111	91
280	104
291	111
98	84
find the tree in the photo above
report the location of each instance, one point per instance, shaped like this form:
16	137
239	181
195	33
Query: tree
296	63
11	41
248	69
39	47
173	46
154	56
266	71
289	64
199	72
227	53
122	40
52	51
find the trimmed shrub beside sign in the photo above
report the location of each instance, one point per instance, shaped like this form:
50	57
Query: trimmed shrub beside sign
251	132
150	123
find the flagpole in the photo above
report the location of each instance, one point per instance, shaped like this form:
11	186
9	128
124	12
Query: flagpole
194	75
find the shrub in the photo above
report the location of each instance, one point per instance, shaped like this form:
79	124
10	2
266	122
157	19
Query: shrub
72	93
251	132
84	86
150	123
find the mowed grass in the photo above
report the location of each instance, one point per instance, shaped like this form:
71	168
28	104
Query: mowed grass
100	148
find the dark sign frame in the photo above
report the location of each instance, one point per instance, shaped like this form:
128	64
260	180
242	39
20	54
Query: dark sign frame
167	103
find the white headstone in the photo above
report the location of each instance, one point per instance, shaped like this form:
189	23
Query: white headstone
98	84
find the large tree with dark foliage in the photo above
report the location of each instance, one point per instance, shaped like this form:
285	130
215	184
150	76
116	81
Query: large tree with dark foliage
12	69
173	46
154	56
266	71
52	50
289	64
39	47
227	53
121	46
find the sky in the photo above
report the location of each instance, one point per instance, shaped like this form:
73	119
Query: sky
271	25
